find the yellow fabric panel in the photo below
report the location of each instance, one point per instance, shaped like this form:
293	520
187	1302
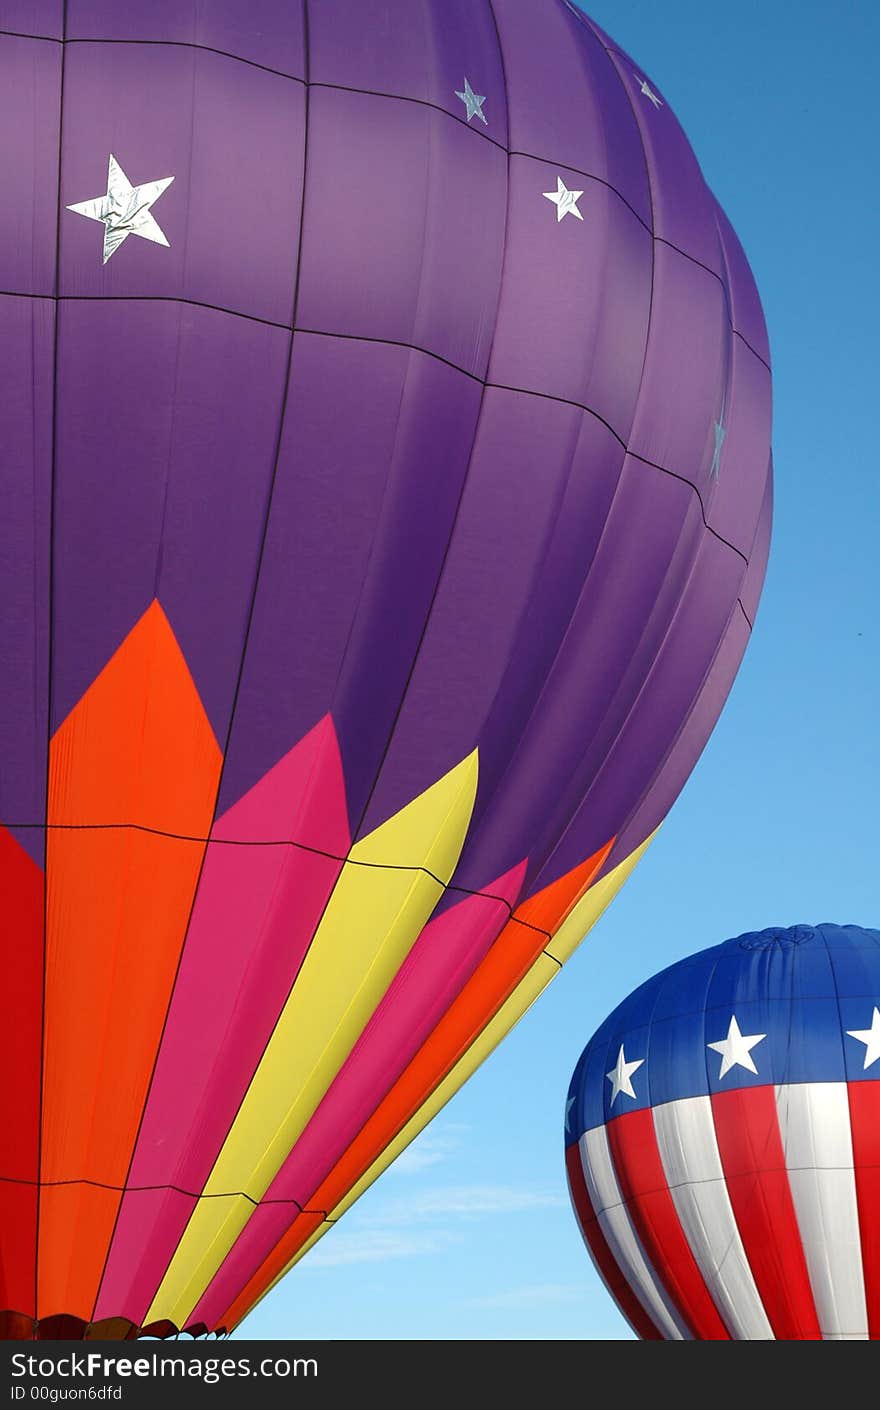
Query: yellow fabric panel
591	905
561	947
564	943
522	998
373	918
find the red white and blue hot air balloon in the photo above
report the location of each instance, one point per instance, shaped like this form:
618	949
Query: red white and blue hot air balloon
386	492
722	1140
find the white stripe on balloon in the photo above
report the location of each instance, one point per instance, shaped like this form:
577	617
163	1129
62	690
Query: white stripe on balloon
621	1237
691	1161
817	1139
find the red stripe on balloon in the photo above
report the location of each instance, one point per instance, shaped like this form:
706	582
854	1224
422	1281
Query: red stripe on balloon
864	1116
642	1179
604	1259
21	887
753	1160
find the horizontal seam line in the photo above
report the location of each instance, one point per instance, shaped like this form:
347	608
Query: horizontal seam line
743	339
144	1189
44	38
722	1179
407	347
347	860
67	40
402	98
149	299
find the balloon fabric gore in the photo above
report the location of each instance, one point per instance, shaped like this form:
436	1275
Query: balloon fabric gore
721	1136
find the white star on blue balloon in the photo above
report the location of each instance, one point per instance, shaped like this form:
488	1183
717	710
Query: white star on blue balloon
736	1048
870	1037
620	1076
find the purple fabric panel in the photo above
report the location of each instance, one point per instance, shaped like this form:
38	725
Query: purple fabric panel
684	382
422	49
26	352
404	227
629	597
44	17
522	545
750	594
576	295
605	39
652	752
436	424
259	30
688	746
231	136
683	206
30	77
745	306
376	446
167	418
568	106
738	492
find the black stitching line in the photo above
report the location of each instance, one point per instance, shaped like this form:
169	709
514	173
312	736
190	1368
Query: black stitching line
50	634
347	860
406	347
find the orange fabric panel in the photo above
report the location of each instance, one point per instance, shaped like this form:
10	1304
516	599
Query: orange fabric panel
514	951
136	752
547	909
512	954
76	1225
302	1228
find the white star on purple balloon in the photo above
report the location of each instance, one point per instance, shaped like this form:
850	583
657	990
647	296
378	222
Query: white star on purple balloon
125	209
565	201
645	87
473	102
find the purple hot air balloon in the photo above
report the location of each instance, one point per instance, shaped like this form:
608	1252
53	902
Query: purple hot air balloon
386	485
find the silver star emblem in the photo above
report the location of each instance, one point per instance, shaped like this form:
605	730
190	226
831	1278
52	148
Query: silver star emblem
870	1037
473	102
565	201
645	87
720	433
736	1049
125	210
620	1076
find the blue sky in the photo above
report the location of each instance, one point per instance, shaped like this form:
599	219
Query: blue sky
470	1234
